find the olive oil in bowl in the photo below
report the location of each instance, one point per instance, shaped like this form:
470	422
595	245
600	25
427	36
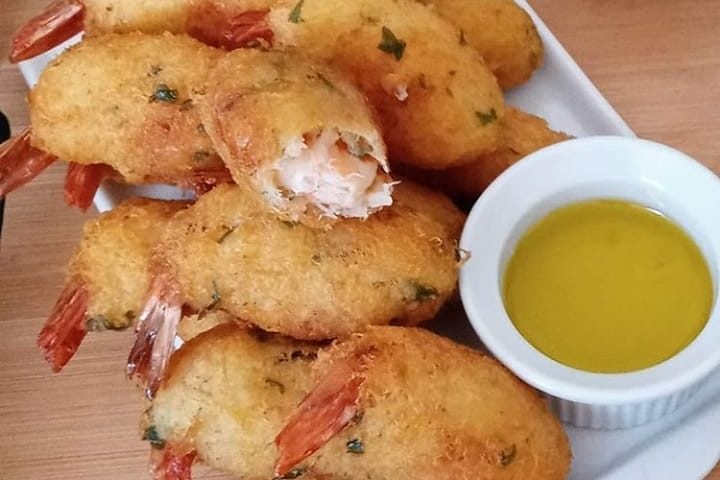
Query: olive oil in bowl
607	286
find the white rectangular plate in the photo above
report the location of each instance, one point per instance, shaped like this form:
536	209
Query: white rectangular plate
681	446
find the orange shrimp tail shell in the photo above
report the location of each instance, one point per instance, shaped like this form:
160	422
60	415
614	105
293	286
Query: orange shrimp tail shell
326	410
169	465
20	162
216	26
157	326
58	22
65	329
82	182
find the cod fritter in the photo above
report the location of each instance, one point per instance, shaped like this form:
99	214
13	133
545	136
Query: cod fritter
230	252
124	100
107	276
439	103
501	31
416	406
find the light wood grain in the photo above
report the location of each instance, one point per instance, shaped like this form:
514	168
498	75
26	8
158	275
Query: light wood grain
656	61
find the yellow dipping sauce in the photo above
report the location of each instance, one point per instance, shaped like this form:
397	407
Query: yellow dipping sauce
607	286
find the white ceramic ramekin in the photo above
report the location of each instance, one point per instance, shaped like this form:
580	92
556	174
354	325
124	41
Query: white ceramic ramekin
598	167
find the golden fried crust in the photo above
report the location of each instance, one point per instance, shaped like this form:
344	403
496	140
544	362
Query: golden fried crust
399	264
147	16
432	409
501	31
522	134
113	256
256	103
453	101
227	394
193	325
124	100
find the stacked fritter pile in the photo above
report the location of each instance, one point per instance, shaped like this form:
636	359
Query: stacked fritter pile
301	249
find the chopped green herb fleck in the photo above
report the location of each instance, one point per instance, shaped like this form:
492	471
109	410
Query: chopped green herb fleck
295	355
391	44
463	41
294	16
186	105
355	446
215	297
96	323
200	156
275	383
423	292
226	233
294	473
370	20
508	455
151	435
327	82
163	93
486	118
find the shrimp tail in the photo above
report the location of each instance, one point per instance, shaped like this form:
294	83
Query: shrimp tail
169	465
65	328
20	162
58	22
156	329
329	407
82	182
217	27
202	181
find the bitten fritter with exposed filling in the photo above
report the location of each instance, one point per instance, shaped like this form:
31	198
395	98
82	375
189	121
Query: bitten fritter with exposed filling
124	100
230	252
501	31
439	103
303	135
396	402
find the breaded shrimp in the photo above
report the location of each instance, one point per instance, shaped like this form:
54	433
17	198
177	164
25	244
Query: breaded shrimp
522	134
122	101
107	276
439	103
501	31
302	133
389	403
220	23
230	252
230	383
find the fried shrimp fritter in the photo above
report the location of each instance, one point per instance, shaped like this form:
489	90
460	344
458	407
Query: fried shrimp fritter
230	384
124	100
439	103
230	252
383	404
501	31
303	134
107	276
522	134
399	264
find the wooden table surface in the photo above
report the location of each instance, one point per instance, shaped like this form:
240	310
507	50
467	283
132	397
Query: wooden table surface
657	61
